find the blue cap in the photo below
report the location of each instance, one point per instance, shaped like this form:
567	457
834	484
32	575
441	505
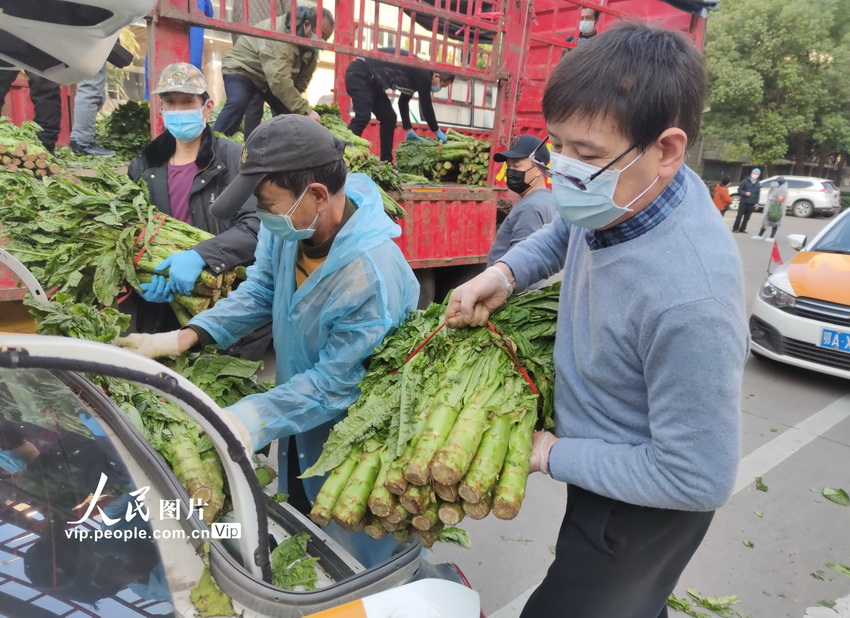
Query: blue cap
756	171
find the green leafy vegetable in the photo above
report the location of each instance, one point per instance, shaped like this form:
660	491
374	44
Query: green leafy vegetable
839	496
749	544
760	485
451	534
839	568
290	567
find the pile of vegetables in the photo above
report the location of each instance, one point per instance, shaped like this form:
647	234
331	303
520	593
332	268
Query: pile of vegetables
462	159
359	158
20	150
89	237
446	434
127	130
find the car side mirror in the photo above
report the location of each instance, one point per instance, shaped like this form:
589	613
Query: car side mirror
797	241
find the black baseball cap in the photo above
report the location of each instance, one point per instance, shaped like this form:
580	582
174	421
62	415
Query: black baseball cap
522	147
285	143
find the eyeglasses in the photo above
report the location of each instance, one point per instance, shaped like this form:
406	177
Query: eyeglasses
579	183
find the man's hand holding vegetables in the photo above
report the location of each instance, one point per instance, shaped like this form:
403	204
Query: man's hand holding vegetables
651	335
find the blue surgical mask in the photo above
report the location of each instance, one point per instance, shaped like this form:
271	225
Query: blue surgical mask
185	125
281	225
435	89
592	208
586	26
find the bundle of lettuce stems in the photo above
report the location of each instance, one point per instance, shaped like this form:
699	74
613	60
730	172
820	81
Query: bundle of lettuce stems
462	158
172	432
21	151
92	237
446	434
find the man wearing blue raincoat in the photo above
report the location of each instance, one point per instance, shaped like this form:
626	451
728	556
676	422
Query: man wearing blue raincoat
329	278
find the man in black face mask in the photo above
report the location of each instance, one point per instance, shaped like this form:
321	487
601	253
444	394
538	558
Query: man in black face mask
534	208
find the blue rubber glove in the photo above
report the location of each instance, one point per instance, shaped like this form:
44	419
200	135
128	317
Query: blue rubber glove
184	267
411	135
441	136
158	290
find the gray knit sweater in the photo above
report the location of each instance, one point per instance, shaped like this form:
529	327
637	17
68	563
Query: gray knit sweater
651	342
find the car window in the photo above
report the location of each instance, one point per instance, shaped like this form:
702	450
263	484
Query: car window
798	184
829	185
836	239
61	483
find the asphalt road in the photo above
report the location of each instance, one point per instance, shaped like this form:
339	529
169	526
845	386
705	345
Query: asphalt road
796	435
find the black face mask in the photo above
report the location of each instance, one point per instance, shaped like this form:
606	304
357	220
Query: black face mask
515	180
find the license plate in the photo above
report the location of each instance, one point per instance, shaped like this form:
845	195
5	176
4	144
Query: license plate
835	340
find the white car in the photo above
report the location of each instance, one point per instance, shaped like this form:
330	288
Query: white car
63	40
801	315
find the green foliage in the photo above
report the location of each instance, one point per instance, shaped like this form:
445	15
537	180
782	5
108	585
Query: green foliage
776	71
127	130
290	567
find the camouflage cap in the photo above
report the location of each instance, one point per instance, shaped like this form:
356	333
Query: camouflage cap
181	77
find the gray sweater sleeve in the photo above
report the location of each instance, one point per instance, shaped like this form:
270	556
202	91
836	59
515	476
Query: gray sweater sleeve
694	387
539	256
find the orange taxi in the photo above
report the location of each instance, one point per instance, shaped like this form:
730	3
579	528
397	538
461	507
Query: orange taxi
802	313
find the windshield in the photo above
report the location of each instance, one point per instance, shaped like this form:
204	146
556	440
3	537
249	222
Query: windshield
61	482
836	239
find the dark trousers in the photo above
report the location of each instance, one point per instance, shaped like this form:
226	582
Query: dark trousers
773	230
745	211
240	92
254	114
615	559
46	100
368	97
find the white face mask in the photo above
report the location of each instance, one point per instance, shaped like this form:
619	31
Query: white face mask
586	26
593	207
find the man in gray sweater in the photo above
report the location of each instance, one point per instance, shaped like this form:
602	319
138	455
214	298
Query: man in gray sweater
652	333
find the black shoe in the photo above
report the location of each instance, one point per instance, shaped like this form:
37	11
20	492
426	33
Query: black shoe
92	150
734	231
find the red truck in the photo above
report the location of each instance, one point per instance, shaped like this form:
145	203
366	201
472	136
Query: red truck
502	53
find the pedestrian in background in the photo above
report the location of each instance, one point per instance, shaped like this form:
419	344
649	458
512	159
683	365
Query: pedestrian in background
774	210
47	101
90	97
748	197
648	357
722	199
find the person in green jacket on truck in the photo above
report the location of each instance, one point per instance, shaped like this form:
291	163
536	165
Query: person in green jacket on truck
278	71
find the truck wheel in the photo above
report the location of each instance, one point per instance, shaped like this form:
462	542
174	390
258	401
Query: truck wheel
427	285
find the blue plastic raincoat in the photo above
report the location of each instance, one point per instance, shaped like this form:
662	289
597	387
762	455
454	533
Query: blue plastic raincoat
323	331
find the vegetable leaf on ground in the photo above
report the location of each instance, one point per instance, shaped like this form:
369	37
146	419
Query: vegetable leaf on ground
839	496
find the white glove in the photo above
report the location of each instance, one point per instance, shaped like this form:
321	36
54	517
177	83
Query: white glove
472	303
152	346
241	430
541	446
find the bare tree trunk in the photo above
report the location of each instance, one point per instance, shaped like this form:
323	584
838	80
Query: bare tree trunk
800	154
839	173
823	157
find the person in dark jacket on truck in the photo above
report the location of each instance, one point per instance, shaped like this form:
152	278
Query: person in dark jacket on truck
367	81
185	169
278	71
